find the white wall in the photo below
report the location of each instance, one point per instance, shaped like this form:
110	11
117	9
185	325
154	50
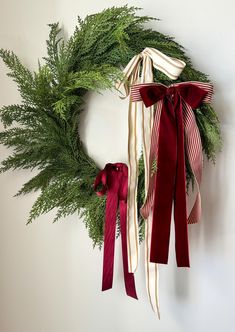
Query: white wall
50	277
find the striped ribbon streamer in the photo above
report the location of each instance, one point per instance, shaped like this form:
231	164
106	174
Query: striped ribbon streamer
192	143
140	70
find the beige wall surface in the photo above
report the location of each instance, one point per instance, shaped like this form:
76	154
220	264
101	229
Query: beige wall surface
50	277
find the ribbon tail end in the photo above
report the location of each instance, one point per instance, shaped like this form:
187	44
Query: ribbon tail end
105	288
132	294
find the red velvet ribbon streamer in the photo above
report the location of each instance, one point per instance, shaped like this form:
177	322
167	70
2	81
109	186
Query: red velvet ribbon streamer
114	181
170	183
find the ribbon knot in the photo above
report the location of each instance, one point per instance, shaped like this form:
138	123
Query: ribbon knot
148	58
114	181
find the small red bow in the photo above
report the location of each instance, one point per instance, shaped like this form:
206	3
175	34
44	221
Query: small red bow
114	181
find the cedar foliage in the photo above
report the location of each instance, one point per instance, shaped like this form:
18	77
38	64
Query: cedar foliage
43	129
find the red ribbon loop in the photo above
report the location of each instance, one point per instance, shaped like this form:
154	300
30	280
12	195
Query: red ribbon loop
114	181
170	185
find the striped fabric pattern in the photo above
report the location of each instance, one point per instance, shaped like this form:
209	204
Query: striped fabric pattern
140	70
192	142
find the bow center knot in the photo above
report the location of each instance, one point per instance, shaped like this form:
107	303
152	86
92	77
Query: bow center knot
170	92
119	167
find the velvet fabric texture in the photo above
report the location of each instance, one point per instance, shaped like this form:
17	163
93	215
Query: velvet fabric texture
170	185
114	181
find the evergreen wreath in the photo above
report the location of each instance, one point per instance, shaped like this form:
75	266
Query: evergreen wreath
43	129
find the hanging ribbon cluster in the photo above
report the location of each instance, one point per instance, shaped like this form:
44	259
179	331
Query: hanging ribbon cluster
140	71
169	130
175	125
114	181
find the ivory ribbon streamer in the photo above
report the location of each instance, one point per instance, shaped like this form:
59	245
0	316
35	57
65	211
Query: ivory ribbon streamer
174	105
114	180
140	70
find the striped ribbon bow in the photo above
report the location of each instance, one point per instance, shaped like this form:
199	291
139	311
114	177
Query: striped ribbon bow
174	119
114	181
140	70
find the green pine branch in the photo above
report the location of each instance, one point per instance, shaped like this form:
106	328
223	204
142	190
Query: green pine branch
42	131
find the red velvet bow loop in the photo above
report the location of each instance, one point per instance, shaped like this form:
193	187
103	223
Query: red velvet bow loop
150	94
101	179
114	181
192	94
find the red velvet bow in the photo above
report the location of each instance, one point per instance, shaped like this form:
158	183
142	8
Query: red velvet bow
170	183
114	181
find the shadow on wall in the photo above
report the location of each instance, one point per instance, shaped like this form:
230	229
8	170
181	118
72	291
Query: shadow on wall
208	238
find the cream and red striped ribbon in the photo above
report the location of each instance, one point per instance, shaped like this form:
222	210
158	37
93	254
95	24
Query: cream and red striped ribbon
140	70
192	143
